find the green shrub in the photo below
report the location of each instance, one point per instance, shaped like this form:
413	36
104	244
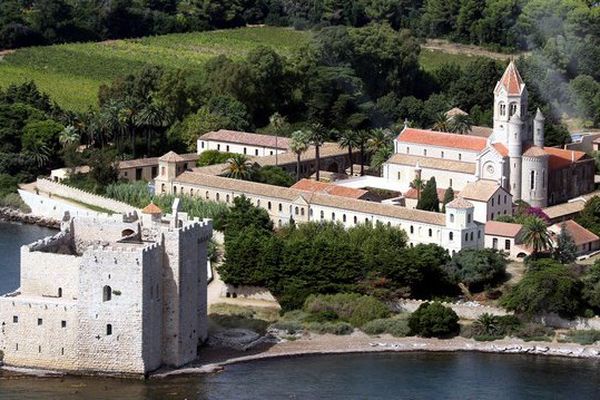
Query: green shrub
397	327
534	332
212	157
322	316
495	326
466	331
583	337
334	328
434	320
290	327
349	307
13	200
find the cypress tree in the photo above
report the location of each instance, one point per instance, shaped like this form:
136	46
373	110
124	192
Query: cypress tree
448	197
429	200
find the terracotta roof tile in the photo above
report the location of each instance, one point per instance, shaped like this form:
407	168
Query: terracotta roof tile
442	139
171	156
459	202
481	190
565	209
328	149
500	148
151	209
433	163
535	151
560	158
511	80
505	229
480	131
579	234
251	139
310	185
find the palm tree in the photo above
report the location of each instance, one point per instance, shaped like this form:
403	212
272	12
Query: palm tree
277	122
419	185
378	139
363	139
486	324
39	156
317	138
460	123
299	144
348	140
441	123
152	117
536	235
239	167
68	136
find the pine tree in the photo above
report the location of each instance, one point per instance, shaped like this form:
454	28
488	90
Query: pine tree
565	251
448	197
429	200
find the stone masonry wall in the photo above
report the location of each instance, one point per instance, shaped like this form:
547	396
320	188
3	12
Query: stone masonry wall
48	186
120	269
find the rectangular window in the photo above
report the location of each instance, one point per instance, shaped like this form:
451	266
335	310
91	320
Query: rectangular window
63	324
202	144
450	185
40	321
507	244
218	147
15	319
245	150
256	152
138	174
154	171
494	243
399	175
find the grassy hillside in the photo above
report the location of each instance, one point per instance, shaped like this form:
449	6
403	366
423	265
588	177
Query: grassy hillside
72	73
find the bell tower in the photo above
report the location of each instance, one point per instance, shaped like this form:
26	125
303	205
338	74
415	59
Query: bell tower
510	98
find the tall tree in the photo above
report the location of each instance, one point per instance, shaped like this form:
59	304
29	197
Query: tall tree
348	139
448	197
565	250
299	144
460	123
536	235
418	184
429	200
317	138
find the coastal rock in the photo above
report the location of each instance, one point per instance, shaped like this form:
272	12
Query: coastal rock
13	215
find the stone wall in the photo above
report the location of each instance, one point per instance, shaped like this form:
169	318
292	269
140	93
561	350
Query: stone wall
55	209
47	186
577	323
469	310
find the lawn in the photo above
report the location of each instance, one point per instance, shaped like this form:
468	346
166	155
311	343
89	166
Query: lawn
72	73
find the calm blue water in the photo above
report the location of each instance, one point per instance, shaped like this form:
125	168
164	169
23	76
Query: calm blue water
356	376
12	237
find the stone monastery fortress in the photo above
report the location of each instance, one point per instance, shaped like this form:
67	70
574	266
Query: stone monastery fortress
113	294
128	293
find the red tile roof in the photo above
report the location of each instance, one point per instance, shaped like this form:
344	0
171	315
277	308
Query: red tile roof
250	139
511	80
579	234
500	148
335	190
151	209
535	151
442	139
560	158
504	229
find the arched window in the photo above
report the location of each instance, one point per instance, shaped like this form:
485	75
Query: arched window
108	330
451	235
412	229
296	211
269	205
258	203
302	212
513	109
127	232
207	196
59	292
355	219
191	192
502	108
333	216
227	198
451	218
174	189
218	196
106	293
162	188
532	180
280	207
344	217
322	214
430	232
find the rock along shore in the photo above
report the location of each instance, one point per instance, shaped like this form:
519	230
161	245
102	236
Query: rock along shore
361	343
13	215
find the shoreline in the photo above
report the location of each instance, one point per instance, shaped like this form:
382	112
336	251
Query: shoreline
356	343
359	343
13	215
